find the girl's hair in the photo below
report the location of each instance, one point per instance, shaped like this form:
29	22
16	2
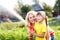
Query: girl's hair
38	13
42	13
30	12
46	20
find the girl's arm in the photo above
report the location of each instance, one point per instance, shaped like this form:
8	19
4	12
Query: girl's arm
39	35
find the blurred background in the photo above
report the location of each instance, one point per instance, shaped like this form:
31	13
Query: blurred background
13	13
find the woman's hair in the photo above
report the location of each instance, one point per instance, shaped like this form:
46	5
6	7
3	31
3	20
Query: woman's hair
30	12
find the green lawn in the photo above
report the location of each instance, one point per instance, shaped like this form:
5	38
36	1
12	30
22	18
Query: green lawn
17	31
56	27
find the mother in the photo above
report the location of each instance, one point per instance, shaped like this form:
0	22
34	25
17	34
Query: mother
30	18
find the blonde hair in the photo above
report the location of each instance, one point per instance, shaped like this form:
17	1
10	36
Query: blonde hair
42	13
30	12
44	16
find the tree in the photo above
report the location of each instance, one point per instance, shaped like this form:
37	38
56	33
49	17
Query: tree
18	6
22	9
48	9
57	6
26	8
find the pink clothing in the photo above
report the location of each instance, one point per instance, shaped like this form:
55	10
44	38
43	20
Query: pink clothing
51	32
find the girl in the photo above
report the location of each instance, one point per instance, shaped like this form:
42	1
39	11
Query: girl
39	27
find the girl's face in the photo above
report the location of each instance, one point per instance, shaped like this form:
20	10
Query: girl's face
31	18
39	18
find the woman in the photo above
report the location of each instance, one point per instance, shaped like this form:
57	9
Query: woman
30	18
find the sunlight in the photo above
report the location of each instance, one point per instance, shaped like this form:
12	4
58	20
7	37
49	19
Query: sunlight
12	3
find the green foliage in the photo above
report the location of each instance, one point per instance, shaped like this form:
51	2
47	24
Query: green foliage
18	6
54	22
21	33
49	14
55	26
26	8
57	5
22	9
48	10
14	34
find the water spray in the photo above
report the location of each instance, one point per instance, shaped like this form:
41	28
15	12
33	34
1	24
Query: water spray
12	12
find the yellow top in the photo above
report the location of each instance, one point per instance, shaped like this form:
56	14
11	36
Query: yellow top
40	28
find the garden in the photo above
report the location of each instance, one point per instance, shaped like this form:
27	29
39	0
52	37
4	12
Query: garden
14	29
18	31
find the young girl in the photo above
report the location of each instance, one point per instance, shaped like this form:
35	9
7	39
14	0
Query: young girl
40	27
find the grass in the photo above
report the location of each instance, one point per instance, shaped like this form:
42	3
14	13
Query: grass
21	33
56	27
